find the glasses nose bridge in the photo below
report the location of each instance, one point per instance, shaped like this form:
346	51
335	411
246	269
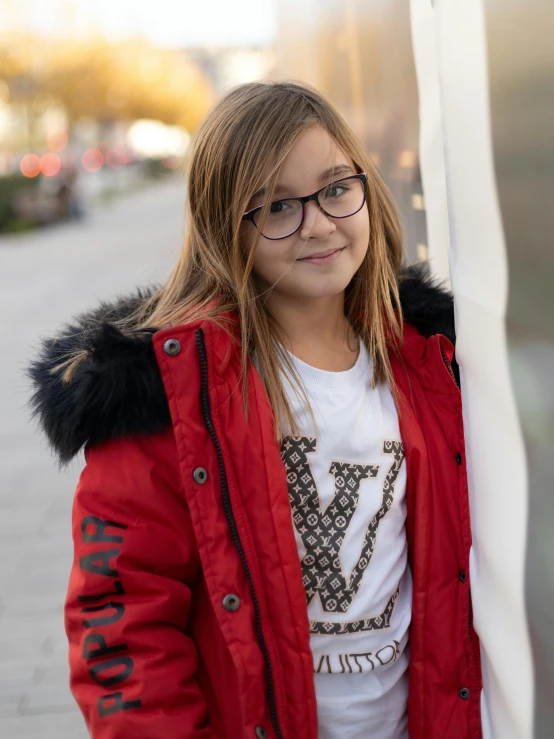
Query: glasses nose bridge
314	196
307	199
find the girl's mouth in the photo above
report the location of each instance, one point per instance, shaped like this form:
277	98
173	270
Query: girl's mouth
323	257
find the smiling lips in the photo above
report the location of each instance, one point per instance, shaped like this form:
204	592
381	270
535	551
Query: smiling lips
323	257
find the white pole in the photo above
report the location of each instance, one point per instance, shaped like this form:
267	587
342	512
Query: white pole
455	125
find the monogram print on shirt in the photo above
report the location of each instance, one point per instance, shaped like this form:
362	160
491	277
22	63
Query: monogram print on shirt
323	532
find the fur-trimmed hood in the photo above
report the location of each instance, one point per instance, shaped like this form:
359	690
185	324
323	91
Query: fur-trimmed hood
118	390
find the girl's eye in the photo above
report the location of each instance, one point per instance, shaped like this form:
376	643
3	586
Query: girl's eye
278	206
335	191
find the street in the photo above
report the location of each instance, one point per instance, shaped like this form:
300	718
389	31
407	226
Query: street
45	278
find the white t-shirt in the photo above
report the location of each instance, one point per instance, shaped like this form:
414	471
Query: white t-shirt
347	488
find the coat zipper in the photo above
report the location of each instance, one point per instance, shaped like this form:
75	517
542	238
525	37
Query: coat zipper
227	507
469	600
449	368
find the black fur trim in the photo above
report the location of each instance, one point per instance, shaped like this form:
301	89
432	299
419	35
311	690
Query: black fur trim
425	304
428	306
118	390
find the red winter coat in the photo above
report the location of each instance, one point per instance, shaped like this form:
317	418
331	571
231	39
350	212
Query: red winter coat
186	612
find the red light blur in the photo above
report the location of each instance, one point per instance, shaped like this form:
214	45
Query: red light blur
30	165
92	160
113	159
171	162
50	164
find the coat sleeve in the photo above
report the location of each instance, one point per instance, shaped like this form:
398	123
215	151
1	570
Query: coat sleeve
132	663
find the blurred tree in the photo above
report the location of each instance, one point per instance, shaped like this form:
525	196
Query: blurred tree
106	82
125	82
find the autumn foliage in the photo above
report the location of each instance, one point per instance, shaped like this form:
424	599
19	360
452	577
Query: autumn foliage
108	82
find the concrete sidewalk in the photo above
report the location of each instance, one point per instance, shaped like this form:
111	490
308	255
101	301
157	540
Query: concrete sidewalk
45	277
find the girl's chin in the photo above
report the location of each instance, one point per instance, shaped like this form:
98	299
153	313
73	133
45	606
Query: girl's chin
316	292
306	286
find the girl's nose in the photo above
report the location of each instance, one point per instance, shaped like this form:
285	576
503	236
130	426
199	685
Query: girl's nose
316	223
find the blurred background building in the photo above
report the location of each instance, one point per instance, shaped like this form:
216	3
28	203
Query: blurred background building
455	103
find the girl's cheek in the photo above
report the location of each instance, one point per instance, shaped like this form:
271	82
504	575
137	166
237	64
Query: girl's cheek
362	223
264	263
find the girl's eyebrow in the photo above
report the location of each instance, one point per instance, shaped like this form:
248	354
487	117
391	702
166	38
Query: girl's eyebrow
341	169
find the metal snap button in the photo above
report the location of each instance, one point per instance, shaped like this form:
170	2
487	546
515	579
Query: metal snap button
231	602
200	475
464	693
260	732
172	347
458	459
462	575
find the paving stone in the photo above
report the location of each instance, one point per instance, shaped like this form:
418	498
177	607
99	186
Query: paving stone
9	704
68	725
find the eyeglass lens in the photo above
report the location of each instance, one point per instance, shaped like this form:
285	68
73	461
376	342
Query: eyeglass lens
339	200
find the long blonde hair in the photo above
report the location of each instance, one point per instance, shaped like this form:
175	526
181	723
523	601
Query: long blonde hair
252	125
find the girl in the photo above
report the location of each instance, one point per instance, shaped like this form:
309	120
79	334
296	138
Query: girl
272	529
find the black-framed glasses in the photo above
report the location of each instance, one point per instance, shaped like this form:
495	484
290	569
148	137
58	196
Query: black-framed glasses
339	199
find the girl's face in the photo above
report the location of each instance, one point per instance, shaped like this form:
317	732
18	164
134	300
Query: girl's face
282	265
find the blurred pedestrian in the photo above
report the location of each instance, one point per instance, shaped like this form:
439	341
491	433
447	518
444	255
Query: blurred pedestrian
67	194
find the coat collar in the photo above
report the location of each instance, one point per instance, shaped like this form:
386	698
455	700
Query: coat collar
118	390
